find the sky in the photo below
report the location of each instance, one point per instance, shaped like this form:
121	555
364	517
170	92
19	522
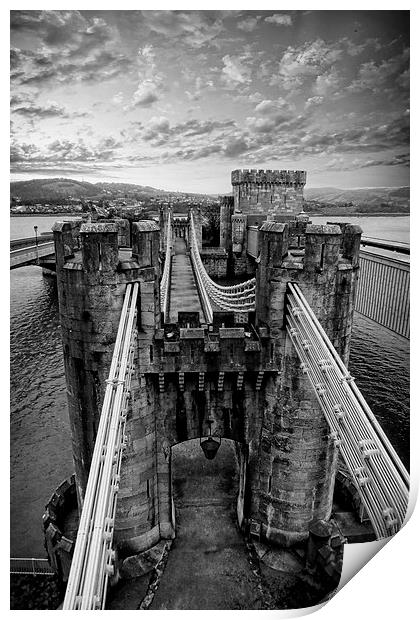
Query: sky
178	99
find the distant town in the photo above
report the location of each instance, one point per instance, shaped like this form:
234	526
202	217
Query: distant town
67	196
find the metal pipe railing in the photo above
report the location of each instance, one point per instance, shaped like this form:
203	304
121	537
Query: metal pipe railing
377	471
92	558
166	275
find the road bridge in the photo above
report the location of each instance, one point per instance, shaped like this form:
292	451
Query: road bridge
158	353
31	253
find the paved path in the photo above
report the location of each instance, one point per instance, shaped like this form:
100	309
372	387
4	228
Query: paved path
208	566
184	294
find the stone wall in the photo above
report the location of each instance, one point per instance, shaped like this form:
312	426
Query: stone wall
268	191
91	288
226	212
215	261
297	457
59	547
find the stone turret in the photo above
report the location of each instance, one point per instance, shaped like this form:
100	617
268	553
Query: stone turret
91	287
297	457
272	192
226	212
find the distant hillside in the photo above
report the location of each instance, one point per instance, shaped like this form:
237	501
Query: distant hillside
44	190
360	196
323	199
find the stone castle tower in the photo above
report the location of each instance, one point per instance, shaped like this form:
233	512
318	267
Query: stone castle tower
248	382
269	192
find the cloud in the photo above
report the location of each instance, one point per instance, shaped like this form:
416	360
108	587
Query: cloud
68	30
200	86
271	115
269	107
235	70
355	49
313	101
281	19
147	93
118	98
191	28
63	151
235	147
397	160
67	46
375	76
36	68
249	24
158	131
50	109
327	84
150	85
363	138
340	164
303	63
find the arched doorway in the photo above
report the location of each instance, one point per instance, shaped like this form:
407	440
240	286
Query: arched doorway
199	481
208	565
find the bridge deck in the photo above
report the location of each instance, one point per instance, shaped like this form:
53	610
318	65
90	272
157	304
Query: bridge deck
184	295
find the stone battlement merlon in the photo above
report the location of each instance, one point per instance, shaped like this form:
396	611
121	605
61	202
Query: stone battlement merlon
264	177
192	350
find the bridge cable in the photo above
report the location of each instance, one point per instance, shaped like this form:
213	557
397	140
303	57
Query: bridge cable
238	298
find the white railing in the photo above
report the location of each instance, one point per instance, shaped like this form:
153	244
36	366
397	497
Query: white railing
93	557
165	281
236	298
376	469
30	566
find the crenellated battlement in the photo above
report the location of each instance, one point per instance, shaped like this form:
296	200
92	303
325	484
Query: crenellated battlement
268	192
287	178
228	349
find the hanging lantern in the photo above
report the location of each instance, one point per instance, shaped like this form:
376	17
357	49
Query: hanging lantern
210	446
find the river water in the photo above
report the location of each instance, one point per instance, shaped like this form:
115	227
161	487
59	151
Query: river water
40	432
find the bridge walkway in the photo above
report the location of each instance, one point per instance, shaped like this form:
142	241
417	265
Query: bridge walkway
209	566
184	295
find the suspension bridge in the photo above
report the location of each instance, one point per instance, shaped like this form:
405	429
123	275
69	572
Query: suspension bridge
375	469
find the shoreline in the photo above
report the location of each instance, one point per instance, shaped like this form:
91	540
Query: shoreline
358	214
46	214
308	212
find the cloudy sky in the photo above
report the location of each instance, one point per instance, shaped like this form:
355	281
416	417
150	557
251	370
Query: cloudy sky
178	99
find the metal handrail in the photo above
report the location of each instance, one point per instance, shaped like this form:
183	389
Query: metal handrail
30	566
376	469
166	275
93	556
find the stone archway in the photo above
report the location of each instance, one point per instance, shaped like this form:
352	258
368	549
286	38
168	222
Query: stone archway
197	479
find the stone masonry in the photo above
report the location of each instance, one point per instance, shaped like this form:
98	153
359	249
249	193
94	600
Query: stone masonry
297	459
268	191
245	379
